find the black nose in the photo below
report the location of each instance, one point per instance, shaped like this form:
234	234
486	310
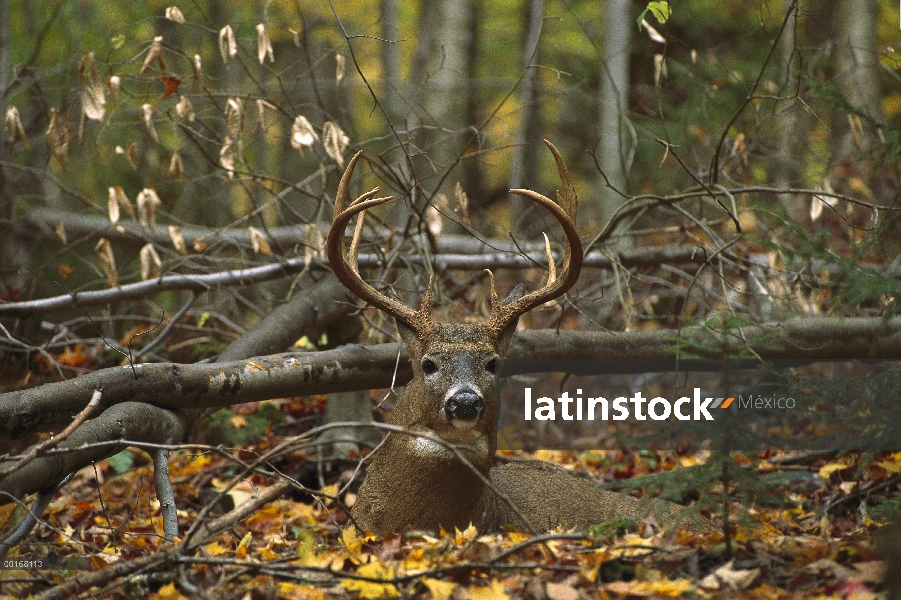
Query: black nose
465	404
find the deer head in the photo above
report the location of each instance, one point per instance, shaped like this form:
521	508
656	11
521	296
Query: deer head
453	389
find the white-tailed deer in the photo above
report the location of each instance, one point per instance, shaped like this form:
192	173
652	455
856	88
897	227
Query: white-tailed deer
421	483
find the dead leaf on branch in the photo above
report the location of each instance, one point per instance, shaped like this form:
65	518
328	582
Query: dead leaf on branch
234	117
104	252
58	136
258	241
148	201
228	46
174	14
334	141
151	265
303	136
93	96
177	239
184	109
264	45
147	118
197	65
154	54
14	125
176	167
340	68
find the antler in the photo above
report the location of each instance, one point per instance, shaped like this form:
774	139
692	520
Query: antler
349	273
564	210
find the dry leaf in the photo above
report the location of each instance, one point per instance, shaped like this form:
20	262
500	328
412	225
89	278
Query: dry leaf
302	134
197	65
117	195
738	579
131	155
61	232
148	202
433	218
462	200
234	117
184	109
228	46
93	96
259	241
440	590
371	590
104	252
653	33
659	69
170	83
315	244
155	54
262	105
340	68
14	125
112	208
147	117
495	591
173	13
177	239
334	141
264	45
561	591
228	154
176	167
58	136
244	546
115	85
151	265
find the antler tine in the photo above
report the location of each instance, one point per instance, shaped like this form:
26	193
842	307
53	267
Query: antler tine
564	210
348	272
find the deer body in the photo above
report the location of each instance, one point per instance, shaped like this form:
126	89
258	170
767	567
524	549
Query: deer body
438	471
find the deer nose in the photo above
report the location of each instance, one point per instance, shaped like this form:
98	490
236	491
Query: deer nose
465	404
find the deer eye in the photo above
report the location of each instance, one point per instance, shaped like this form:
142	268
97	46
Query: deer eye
428	366
492	365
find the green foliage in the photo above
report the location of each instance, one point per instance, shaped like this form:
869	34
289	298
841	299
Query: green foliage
122	462
613	529
661	11
227	426
720	484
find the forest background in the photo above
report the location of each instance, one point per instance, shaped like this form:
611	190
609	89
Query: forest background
166	182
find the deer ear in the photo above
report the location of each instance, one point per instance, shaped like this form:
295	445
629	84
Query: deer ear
410	339
506	335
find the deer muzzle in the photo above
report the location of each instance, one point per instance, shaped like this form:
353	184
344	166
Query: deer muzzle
465	404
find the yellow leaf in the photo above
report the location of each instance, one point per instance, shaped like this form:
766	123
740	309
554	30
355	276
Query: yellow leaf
464	537
239	421
244	546
351	541
168	592
303	591
267	554
669	587
495	591
893	465
373	590
857	184
827	470
215	549
440	590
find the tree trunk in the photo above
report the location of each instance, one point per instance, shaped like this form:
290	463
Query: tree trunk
614	102
524	160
